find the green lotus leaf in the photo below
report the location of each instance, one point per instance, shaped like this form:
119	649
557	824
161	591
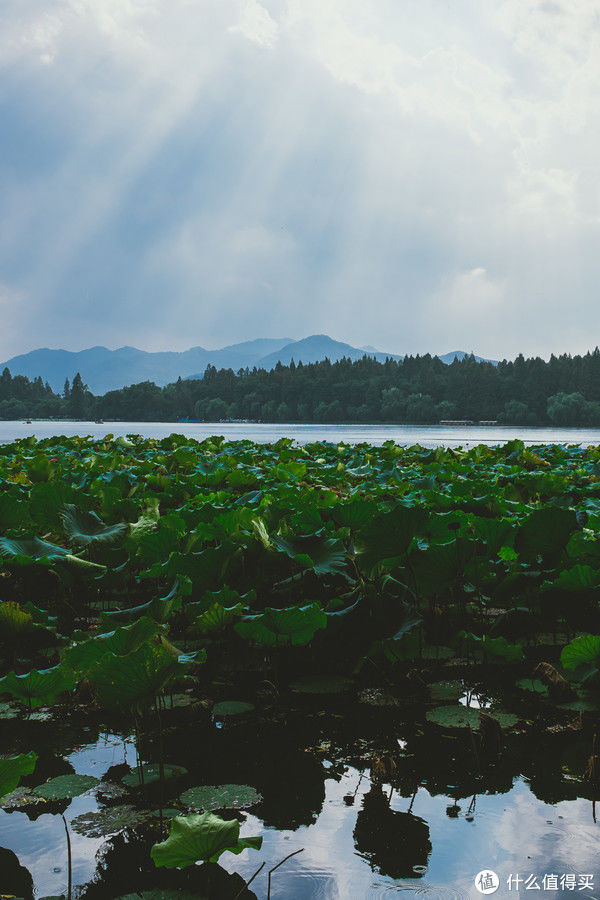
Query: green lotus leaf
325	555
109	820
135	679
35	550
216	618
292	624
220	796
583	649
82	657
85	528
446	690
389	536
534	685
231	708
460	716
11	770
545	532
65	787
40	687
333	685
200	837
151	773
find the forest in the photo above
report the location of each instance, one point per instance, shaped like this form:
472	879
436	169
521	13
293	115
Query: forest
563	391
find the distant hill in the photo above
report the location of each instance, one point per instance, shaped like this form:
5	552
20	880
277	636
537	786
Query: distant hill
449	358
105	370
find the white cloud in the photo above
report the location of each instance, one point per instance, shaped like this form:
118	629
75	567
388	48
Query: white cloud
415	176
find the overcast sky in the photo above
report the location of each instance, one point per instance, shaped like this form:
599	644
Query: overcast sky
419	176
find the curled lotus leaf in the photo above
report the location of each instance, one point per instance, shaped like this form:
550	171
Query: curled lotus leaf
220	796
85	528
200	837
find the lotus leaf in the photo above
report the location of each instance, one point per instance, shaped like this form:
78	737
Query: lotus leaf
200	837
220	796
38	687
583	649
65	787
85	528
293	624
109	820
151	773
11	770
231	708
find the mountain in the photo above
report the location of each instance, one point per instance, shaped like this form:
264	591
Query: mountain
315	348
449	358
105	370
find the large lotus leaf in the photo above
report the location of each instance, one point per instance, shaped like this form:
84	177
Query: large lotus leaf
389	536
11	769
34	550
65	787
491	648
434	569
446	690
292	624
110	820
45	502
200	837
533	685
85	528
578	578
217	618
38	687
584	649
83	656
160	608
463	716
151	774
161	894
14	511
134	679
355	514
14	621
220	796
546	532
324	555
321	685
231	708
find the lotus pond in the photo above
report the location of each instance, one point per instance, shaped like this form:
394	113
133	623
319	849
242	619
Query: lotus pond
329	671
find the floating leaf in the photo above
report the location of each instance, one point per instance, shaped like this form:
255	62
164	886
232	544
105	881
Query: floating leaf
446	690
462	716
151	773
65	787
532	684
220	796
109	820
231	708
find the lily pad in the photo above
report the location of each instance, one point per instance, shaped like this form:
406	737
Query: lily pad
334	685
534	685
464	716
231	708
65	787
151	772
446	690
109	820
220	796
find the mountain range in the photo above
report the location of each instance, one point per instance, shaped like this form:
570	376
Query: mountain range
105	370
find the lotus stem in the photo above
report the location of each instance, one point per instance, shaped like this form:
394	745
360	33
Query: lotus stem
69	860
277	866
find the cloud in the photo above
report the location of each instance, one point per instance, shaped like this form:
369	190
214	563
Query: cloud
412	177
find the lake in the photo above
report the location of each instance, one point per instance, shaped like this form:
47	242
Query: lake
409	435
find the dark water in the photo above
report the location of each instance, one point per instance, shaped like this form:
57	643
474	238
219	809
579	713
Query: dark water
425	435
439	818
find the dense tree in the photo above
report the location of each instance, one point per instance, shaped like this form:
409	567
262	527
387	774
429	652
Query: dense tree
420	389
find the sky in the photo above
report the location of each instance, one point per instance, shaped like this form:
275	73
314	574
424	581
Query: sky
417	176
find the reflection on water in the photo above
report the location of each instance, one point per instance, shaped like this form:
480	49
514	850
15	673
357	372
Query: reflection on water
408	435
442	817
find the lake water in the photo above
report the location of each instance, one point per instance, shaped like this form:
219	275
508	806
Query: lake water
425	435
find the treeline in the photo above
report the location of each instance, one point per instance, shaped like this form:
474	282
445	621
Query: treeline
419	390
